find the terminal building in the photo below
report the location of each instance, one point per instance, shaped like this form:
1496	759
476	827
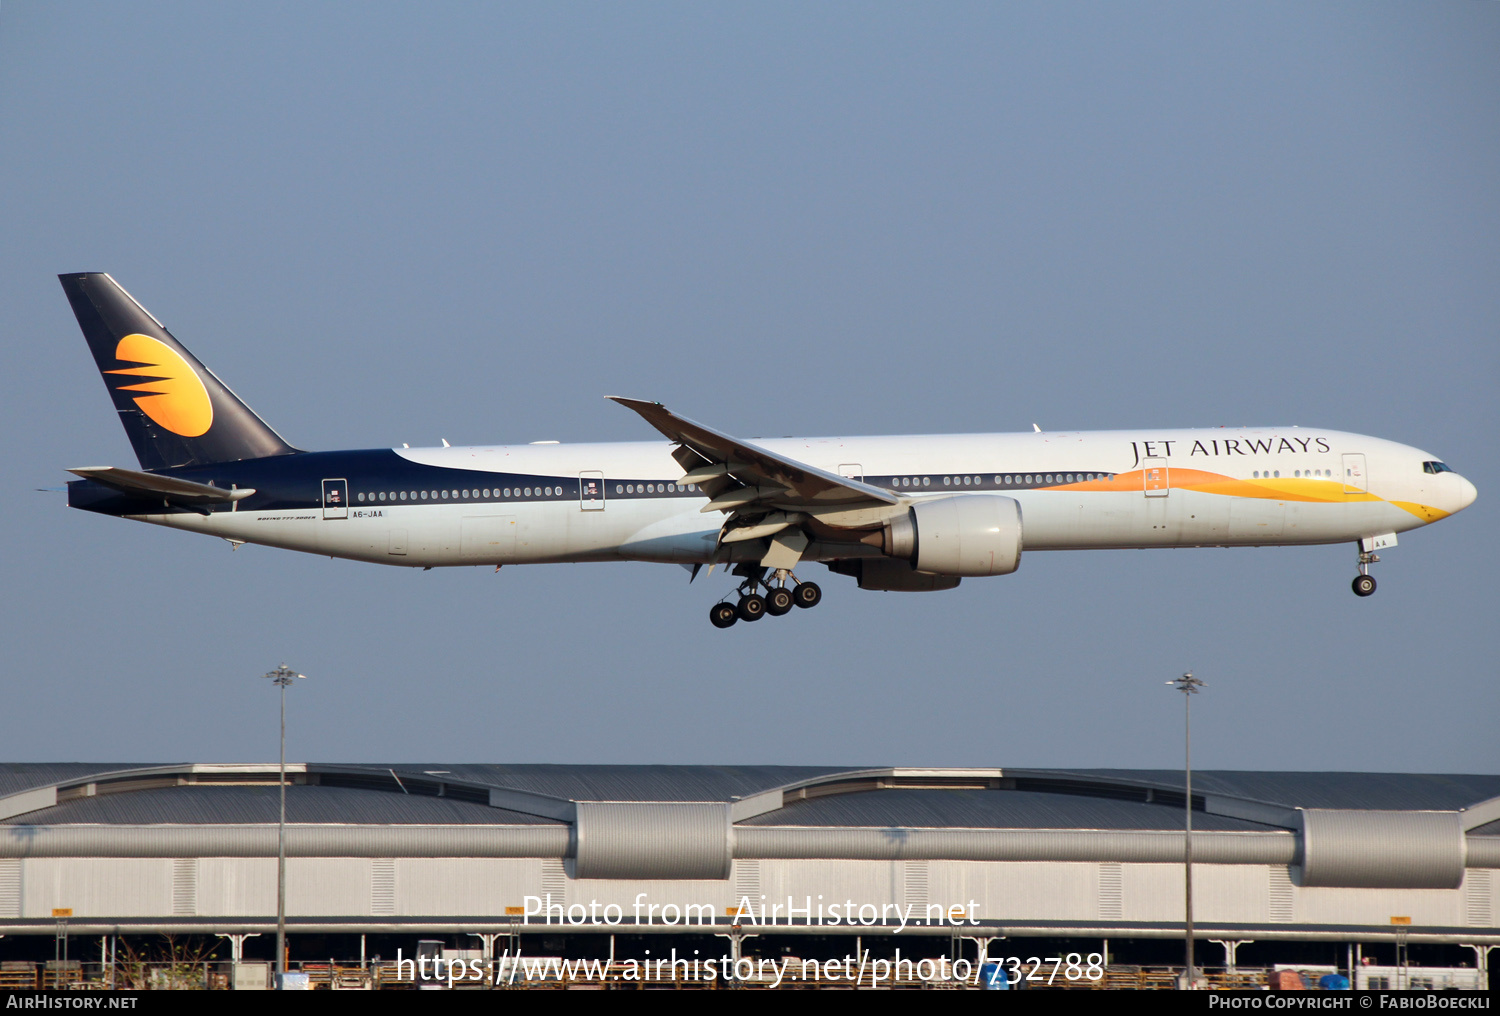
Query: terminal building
887	854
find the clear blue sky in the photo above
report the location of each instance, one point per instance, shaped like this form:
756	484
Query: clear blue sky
384	223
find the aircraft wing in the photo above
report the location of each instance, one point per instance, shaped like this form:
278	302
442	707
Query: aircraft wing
183	492
739	476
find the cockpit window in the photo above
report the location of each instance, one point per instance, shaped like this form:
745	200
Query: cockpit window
1436	467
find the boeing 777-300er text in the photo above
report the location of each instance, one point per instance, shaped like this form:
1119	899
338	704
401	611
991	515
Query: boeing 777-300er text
895	513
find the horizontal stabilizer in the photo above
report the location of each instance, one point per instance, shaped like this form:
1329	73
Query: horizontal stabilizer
138	484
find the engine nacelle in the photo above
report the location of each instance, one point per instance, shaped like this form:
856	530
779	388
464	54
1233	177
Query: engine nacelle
968	534
890	576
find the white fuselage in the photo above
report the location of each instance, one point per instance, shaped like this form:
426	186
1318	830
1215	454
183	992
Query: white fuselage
1087	490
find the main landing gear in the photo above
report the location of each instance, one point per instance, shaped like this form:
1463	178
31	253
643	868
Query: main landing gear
777	600
1364	582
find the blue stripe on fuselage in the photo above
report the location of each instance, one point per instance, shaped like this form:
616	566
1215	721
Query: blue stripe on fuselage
295	482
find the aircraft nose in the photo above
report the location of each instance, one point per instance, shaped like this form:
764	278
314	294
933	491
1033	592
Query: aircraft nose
1465	494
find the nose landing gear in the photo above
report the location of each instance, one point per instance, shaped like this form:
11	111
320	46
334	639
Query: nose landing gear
777	601
1364	582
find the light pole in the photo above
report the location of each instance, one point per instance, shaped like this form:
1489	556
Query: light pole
282	676
1188	685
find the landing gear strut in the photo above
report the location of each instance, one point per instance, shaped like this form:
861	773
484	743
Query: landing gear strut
779	599
1364	582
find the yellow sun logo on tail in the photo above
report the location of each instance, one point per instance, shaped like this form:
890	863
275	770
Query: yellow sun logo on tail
175	397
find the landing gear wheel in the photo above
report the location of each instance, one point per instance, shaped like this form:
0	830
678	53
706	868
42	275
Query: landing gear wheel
807	594
1364	585
752	607
723	615
779	601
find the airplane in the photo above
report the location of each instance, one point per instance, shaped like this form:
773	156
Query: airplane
915	513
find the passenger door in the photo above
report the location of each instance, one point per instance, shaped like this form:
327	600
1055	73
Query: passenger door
1355	479
1158	480
591	491
335	499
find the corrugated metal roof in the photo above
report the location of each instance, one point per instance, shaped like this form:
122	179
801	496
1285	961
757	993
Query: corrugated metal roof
1379	791
16	777
243	805
990	809
624	782
1072	797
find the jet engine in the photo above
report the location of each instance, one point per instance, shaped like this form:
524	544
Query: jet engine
968	534
892	576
